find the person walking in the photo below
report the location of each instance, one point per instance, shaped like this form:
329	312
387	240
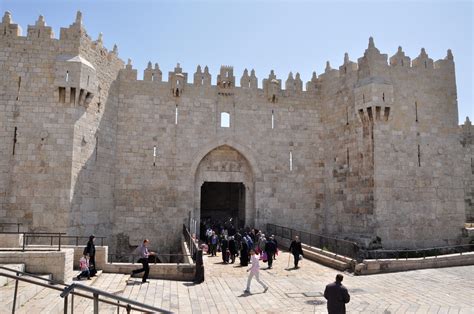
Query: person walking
337	296
244	253
213	243
90	250
144	254
254	272
296	250
225	250
270	249
232	249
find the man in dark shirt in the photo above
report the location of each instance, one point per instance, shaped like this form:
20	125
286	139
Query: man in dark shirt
296	250
337	296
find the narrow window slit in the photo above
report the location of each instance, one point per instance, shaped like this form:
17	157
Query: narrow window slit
273	120
348	160
67	76
419	156
176	115
347	115
291	161
19	87
416	111
154	156
15	139
383	97
96	147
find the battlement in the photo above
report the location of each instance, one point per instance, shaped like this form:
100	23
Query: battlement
371	64
73	38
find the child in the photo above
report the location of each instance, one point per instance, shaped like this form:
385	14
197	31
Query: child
254	271
84	266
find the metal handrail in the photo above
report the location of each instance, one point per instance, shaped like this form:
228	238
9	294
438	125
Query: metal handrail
332	244
97	292
135	256
36	234
17	224
196	254
75	237
70	290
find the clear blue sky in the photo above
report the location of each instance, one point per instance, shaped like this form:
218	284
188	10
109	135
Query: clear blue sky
286	36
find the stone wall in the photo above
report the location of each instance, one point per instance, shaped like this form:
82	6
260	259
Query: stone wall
371	149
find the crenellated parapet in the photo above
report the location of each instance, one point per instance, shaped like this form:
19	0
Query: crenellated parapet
467	133
272	87
8	28
202	78
177	81
399	60
247	81
373	63
152	75
40	30
226	81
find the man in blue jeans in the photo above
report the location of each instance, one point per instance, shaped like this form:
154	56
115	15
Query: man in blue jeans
144	254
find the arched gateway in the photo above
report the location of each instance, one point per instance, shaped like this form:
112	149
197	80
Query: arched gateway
224	184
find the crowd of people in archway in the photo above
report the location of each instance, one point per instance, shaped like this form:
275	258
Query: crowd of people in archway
232	242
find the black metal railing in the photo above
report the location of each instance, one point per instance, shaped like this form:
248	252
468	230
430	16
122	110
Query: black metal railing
11	225
26	235
71	290
196	254
66	239
152	259
335	245
418	253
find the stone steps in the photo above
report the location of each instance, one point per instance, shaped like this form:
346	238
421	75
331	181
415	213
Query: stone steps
26	291
5	280
49	301
112	283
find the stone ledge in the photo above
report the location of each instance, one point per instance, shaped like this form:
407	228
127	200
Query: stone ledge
368	267
57	263
184	272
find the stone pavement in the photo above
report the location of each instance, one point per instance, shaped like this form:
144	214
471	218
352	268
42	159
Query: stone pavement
443	290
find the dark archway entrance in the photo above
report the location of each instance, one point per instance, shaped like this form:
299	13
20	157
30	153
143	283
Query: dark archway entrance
222	201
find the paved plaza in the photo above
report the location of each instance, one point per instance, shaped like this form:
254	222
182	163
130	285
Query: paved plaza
443	290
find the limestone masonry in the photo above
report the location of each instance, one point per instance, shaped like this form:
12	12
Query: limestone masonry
369	149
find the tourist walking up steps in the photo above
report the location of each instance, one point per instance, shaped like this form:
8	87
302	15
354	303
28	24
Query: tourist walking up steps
254	272
337	296
144	254
296	250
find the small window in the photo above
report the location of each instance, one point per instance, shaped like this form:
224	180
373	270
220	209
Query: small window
67	76
291	161
225	120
